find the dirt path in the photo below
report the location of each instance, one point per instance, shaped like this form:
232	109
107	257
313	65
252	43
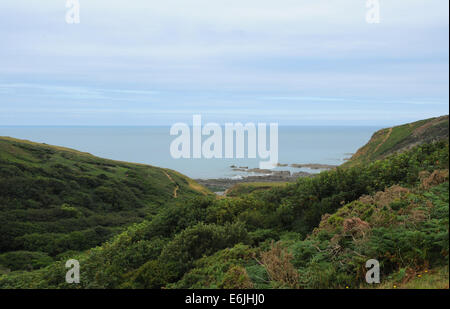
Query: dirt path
384	140
175	191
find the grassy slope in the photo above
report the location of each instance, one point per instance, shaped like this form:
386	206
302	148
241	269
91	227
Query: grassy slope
436	278
405	228
383	143
400	138
192	244
252	187
51	197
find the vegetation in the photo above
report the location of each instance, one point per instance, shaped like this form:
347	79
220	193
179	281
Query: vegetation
55	201
252	187
283	237
315	233
436	278
400	138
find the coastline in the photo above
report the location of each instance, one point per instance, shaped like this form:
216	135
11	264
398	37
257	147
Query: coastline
220	185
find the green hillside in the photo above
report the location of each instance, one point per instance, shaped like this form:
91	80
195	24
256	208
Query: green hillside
401	138
56	201
316	233
252	187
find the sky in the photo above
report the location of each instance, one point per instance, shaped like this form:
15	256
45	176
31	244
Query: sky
293	62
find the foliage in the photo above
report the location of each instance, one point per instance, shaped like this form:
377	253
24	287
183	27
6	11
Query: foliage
55	200
400	138
315	233
277	262
24	260
241	189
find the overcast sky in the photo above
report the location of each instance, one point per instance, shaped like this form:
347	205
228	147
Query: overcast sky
146	62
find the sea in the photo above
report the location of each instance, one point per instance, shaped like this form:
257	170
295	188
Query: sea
330	145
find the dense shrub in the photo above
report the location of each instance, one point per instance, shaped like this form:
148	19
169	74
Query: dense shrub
24	260
326	227
54	200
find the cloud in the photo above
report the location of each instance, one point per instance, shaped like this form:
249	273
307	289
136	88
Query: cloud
200	55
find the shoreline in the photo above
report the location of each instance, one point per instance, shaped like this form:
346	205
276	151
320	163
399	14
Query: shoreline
220	185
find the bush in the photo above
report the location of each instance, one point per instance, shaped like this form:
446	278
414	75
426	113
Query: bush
24	260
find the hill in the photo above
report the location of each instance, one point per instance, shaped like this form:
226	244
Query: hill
316	233
241	189
54	200
401	138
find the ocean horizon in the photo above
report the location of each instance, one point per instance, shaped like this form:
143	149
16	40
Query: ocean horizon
330	145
